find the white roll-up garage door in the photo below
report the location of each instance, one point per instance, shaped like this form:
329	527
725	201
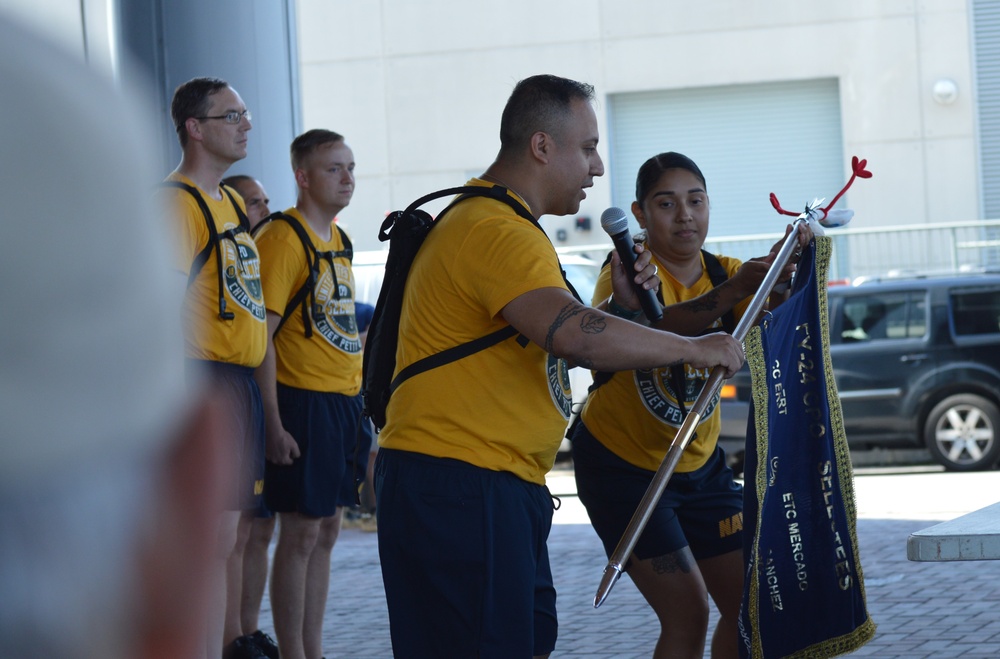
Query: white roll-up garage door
748	140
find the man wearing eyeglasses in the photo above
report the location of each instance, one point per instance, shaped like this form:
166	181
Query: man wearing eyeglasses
224	314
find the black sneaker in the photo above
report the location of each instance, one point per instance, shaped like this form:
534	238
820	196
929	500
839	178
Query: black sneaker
265	644
243	648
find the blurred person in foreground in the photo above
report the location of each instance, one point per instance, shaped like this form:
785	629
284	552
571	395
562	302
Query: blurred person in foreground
113	470
463	512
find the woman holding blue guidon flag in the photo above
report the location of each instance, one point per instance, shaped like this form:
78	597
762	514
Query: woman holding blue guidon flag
691	547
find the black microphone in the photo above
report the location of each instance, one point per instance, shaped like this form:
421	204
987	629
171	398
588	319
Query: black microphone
615	223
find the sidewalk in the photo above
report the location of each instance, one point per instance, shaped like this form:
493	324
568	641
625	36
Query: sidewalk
938	610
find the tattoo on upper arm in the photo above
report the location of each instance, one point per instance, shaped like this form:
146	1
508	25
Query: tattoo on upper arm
679	561
593	323
567	312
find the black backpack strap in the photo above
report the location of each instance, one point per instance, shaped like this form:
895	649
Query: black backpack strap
452	354
718	275
306	295
214	237
497	192
202	256
244	220
299	298
347	252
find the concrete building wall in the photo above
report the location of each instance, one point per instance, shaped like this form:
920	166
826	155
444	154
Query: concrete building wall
83	27
418	88
154	45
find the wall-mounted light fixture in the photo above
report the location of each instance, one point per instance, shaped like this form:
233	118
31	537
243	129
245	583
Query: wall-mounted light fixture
945	91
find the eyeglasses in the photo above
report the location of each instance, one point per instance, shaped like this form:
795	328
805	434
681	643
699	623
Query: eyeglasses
230	117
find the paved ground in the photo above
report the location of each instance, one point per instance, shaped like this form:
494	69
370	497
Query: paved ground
921	609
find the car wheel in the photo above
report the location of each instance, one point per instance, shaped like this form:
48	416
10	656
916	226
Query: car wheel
961	433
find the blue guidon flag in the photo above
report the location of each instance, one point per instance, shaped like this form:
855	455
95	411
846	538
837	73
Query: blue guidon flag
804	594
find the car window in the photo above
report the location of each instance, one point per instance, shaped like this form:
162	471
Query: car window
975	312
583	275
368	281
884	316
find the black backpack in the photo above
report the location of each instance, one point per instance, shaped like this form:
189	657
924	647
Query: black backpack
306	295
214	238
406	230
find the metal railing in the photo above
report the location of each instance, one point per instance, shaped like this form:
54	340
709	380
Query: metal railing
868	252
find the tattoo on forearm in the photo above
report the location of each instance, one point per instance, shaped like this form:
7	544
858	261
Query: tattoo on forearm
567	312
679	561
707	302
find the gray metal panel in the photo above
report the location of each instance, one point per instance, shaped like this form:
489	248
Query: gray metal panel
748	140
250	44
986	34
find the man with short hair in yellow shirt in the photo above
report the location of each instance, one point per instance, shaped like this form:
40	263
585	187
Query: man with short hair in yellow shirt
463	511
310	381
223	310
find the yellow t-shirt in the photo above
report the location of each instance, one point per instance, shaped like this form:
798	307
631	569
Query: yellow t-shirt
329	361
243	339
503	408
635	414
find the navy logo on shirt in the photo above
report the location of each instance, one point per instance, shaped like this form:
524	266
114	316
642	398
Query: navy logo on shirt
336	321
241	270
660	399
559	386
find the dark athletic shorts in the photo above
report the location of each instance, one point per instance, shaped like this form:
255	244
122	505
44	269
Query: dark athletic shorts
247	419
464	559
702	508
322	478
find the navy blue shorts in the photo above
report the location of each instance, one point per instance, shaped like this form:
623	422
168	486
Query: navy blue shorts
321	479
236	383
464	559
702	509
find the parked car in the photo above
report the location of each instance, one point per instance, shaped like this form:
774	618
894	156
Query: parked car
917	364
